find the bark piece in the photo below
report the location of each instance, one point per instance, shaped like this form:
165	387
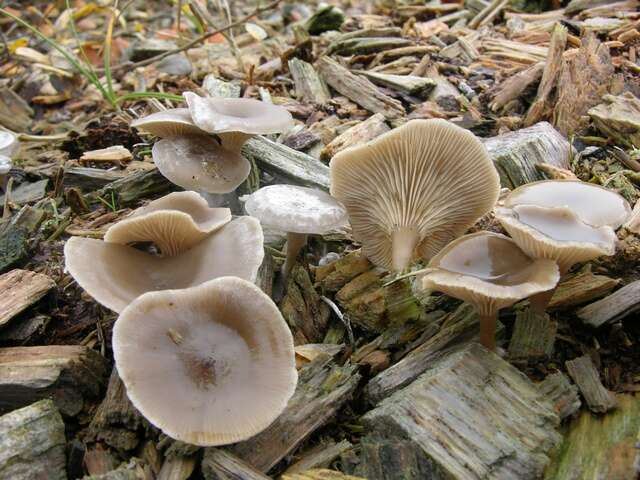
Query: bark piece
19	236
409	84
27	192
473	415
309	86
319	474
131	189
177	468
359	89
66	374
584	373
367	45
114	153
562	393
323	387
88	179
618	305
222	465
21	289
360	133
392	459
516	154
581	288
618	118
335	275
15	113
32	443
516	86
320	456
533	336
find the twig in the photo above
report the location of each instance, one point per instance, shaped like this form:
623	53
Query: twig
343	318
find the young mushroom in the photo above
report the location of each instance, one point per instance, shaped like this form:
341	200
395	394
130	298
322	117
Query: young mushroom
208	365
174	223
412	190
489	271
565	221
114	275
299	211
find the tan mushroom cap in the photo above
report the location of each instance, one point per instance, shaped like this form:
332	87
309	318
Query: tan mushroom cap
489	271
414	189
200	163
168	123
174	223
115	274
208	365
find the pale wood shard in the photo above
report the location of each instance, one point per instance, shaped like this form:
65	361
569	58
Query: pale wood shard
616	306
515	86
177	468
67	374
362	132
319	456
516	154
364	45
358	89
618	117
220	464
392	459
562	393
335	275
583	287
584	373
319	474
600	446
633	225
556	173
323	387
15	112
115	153
21	289
309	86
32	443
409	84
533	336
27	192
474	416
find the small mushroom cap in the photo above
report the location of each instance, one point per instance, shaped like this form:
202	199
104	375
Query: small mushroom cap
115	274
489	271
594	205
174	223
222	115
296	209
9	144
168	123
198	162
208	365
427	177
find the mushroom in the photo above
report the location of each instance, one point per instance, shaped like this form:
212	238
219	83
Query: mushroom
174	223
489	271
168	123
414	189
9	146
299	211
208	365
563	220
115	274
5	168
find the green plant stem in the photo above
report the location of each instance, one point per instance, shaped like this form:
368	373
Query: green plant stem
159	95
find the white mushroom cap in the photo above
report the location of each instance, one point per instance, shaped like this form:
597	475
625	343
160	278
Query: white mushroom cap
9	144
168	123
198	162
174	223
115	274
5	164
489	271
414	189
296	209
208	365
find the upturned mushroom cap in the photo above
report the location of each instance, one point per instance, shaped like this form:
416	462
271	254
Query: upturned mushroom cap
296	209
414	189
9	144
489	271
168	123
115	274
199	162
174	223
208	365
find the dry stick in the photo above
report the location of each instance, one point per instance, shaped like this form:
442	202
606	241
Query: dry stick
475	21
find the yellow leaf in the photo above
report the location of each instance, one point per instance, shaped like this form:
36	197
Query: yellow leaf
16	44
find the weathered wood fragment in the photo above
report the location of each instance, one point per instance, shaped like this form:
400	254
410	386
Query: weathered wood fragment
365	32
88	179
555	173
131	189
319	474
27	192
319	456
220	464
533	336
115	153
618	118
367	45
18	332
474	416
515	86
600	446
581	288
584	373
335	275
392	459
360	133
219	88
177	468
618	305
19	236
309	86
32	443
66	374
323	387
15	113
409	84
309	352
562	393
324	19
21	289
633	224
516	154
358	89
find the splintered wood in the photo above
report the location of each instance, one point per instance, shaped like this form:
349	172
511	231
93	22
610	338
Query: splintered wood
21	289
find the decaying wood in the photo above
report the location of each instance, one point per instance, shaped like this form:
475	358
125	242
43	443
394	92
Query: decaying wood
533	336
562	393
177	468
581	288
319	474
515	86
584	373
366	45
134	187
309	352
32	443
474	416
633	225
21	289
360	133
67	374
358	89
15	112
618	117
618	305
309	86
114	153
17	238
88	179
410	84
220	464
556	173
335	275
392	459
319	456
323	387
27	192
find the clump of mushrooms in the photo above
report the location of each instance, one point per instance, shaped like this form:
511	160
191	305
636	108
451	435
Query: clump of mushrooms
565	221
489	271
412	190
219	353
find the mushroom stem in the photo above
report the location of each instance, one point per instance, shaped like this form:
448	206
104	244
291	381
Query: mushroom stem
295	242
488	330
404	242
233	141
539	302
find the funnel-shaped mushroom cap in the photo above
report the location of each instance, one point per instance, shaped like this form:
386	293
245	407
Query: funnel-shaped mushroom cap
208	365
168	123
414	189
115	274
225	115
198	162
296	209
489	271
9	144
174	223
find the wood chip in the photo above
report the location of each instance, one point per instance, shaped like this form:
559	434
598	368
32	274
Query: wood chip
115	153
220	464
581	288
618	117
584	373
362	132
618	305
562	393
21	289
309	86
533	336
